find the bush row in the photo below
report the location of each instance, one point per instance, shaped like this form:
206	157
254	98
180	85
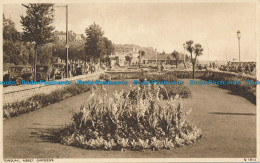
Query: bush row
41	100
119	76
171	90
244	90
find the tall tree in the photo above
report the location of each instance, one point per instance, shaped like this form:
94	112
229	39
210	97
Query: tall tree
196	50
109	48
37	26
175	54
94	42
11	44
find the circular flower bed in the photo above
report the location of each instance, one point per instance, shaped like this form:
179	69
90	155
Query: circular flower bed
137	119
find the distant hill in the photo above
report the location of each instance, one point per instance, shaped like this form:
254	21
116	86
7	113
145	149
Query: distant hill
132	48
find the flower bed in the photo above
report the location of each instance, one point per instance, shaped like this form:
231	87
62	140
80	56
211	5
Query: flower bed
141	120
170	90
41	100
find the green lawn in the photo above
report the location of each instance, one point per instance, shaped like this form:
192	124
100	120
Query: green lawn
228	124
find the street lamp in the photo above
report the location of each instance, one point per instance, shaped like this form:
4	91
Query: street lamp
184	51
156	57
184	46
238	37
67	41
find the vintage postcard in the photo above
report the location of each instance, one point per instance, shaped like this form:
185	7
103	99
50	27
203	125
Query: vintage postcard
129	81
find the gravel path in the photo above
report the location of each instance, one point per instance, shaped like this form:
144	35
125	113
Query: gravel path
228	124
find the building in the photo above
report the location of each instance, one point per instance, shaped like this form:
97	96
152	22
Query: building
162	58
62	37
78	37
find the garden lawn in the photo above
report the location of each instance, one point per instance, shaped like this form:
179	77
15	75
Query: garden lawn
228	124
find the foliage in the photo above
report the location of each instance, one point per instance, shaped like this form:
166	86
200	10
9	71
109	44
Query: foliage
120	76
140	122
96	45
158	77
37	26
185	74
41	100
244	90
11	43
194	50
175	54
141	55
129	58
37	23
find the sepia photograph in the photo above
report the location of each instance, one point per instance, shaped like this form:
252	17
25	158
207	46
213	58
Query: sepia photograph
129	81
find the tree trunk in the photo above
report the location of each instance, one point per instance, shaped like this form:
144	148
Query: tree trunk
139	60
193	72
184	64
35	60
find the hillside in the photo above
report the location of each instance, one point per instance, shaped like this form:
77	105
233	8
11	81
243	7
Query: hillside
131	48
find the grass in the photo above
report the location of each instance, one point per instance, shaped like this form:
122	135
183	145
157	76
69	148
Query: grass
228	123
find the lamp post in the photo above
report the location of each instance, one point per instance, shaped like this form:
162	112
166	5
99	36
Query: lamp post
238	37
156	58
184	52
67	41
184	56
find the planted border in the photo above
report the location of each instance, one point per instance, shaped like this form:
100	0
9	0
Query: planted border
41	100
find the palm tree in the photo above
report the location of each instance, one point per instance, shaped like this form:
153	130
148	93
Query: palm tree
197	50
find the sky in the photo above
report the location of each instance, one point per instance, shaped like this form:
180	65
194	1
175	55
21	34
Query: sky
164	26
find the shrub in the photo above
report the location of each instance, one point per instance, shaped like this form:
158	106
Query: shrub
136	122
244	90
41	100
105	77
168	90
158	77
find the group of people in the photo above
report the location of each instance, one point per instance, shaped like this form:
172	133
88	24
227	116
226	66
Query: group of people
85	68
248	68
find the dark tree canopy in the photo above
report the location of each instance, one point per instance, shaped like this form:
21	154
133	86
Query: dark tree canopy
12	47
37	26
94	44
97	46
37	23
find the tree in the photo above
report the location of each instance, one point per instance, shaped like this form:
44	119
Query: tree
76	50
196	50
11	43
175	54
163	52
109	49
94	42
37	27
141	54
129	58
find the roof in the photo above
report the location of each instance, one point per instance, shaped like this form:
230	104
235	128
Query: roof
163	57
